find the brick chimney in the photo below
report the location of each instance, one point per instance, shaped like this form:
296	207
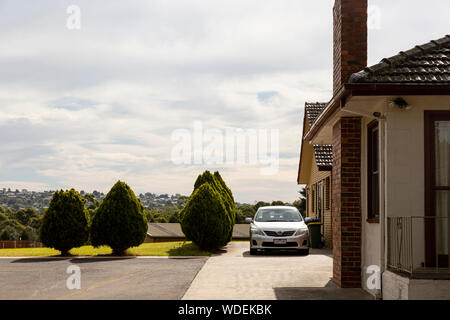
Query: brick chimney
350	56
350	40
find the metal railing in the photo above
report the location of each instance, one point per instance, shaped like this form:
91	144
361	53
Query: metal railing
418	245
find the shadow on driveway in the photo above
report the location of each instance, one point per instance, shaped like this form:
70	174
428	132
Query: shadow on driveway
330	292
100	259
287	253
44	259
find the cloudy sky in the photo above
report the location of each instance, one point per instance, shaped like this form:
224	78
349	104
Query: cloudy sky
84	108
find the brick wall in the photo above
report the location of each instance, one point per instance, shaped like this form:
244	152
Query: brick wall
346	200
350	40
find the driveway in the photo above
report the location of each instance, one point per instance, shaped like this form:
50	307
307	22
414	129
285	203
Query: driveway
235	275
101	278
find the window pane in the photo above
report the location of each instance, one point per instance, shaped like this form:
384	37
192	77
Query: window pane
375	196
442	221
375	150
442	153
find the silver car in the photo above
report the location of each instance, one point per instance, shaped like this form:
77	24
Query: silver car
278	228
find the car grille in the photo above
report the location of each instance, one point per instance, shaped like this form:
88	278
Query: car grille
273	245
275	234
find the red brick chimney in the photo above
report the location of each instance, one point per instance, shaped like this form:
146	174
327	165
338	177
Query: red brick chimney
350	40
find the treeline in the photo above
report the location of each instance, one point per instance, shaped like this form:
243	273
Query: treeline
22	224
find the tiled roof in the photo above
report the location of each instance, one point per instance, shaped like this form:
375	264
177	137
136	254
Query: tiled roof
323	156
425	64
313	110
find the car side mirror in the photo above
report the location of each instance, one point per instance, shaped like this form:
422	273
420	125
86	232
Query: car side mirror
248	220
307	220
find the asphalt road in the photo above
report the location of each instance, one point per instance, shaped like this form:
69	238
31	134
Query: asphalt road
101	278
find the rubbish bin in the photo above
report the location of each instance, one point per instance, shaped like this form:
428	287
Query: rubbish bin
315	238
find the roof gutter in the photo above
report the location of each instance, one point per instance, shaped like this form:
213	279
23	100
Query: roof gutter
368	89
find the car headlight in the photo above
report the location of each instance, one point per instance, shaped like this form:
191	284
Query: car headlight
301	232
256	231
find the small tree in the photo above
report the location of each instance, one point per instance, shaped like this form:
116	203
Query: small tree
119	221
64	225
24	236
4	235
204	219
216	182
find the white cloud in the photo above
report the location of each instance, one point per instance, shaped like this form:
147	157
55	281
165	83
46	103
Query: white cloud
85	108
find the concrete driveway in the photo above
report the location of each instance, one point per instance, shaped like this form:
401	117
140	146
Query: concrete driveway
235	275
143	278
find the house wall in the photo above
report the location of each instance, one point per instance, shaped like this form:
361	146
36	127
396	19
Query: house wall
405	163
402	185
315	177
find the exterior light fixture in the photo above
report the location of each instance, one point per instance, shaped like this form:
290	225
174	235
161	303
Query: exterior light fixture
400	103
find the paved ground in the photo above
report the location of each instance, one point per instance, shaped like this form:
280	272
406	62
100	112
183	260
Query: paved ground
236	275
101	278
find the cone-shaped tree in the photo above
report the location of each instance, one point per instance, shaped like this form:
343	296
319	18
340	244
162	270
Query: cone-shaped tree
64	225
204	219
227	195
119	221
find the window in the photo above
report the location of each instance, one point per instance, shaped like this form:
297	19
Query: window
319	200
437	188
373	173
313	198
307	202
327	193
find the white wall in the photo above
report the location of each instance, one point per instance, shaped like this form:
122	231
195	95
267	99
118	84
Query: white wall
404	177
405	163
396	287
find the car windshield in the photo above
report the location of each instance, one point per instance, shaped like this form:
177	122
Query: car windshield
278	215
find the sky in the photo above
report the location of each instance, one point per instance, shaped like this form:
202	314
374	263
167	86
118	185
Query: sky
86	107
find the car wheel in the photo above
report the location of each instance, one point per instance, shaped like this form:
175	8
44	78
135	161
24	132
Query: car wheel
253	252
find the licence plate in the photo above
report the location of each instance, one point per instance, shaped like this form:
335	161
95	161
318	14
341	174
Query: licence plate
279	241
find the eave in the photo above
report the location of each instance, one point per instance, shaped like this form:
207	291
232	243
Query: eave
380	89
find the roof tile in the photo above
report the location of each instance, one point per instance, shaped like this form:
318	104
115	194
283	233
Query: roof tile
428	63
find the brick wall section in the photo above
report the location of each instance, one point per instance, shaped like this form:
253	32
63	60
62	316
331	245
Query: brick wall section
350	40
346	201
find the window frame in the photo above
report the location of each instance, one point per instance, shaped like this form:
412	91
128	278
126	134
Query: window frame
371	129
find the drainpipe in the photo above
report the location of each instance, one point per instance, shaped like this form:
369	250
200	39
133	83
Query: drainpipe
383	215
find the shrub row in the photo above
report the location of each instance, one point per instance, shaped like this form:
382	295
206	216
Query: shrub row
119	221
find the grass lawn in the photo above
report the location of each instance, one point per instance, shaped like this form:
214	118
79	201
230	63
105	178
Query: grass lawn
145	249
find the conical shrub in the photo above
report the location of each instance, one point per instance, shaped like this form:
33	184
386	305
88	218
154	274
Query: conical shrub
64	225
204	219
119	221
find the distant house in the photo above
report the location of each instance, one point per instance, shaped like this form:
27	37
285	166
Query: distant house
168	232
389	127
315	172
